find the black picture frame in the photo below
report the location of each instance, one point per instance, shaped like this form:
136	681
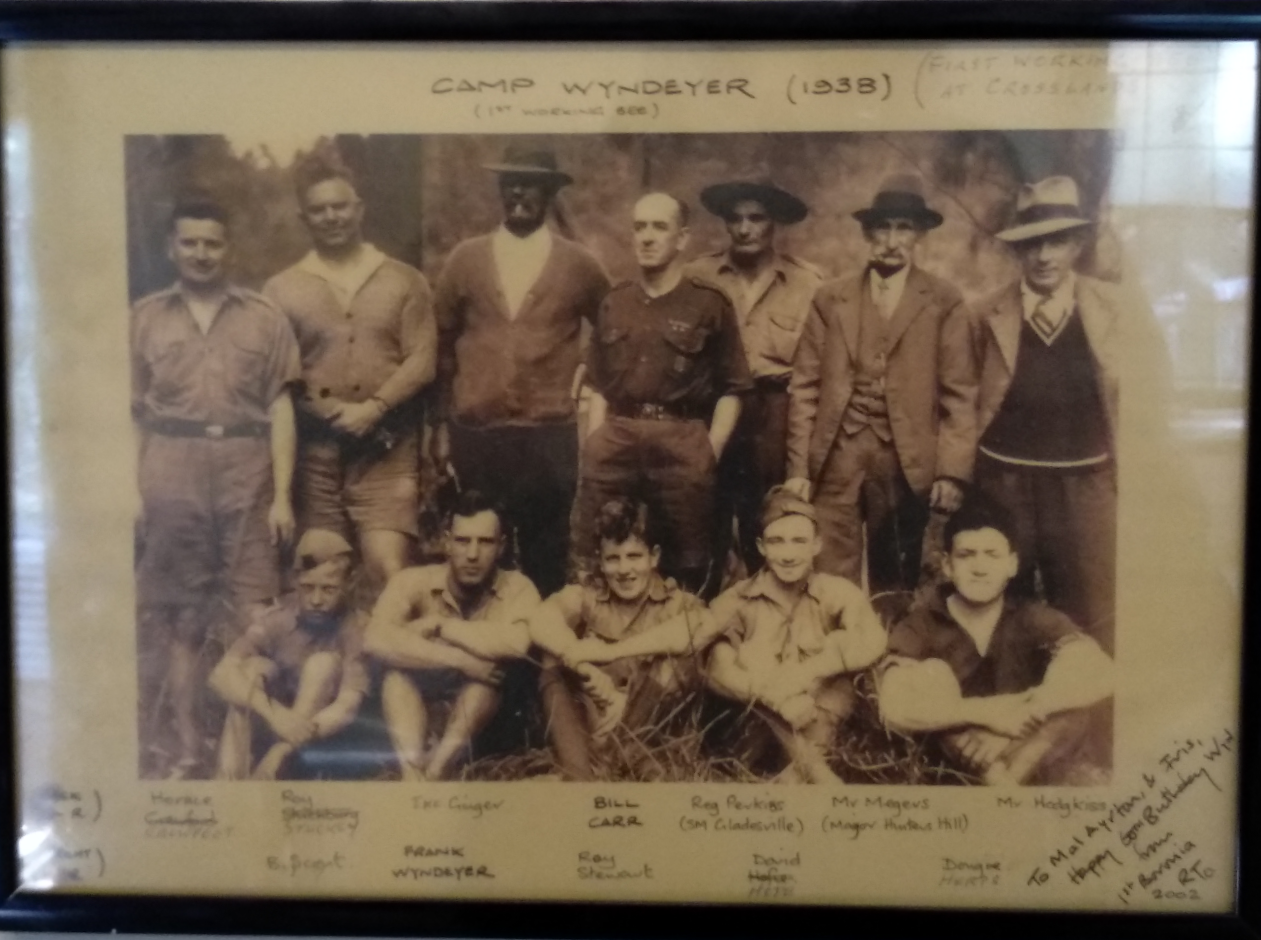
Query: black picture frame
91	21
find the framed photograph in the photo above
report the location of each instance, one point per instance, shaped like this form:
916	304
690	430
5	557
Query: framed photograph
705	482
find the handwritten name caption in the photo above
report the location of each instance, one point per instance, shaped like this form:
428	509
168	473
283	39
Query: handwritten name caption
740	813
301	814
851	817
57	846
615	813
440	863
460	803
1045	74
773	875
603	866
187	816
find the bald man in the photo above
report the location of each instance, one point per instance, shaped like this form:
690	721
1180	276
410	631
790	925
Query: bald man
667	370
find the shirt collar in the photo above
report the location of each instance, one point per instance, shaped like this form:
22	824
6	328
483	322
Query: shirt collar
896	281
365	265
1058	302
760	585
447	592
779	264
231	293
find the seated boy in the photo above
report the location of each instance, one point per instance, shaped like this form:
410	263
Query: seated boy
297	667
1007	679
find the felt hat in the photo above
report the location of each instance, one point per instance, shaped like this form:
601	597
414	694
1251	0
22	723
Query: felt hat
901	196
782	206
779	502
319	546
540	163
1043	208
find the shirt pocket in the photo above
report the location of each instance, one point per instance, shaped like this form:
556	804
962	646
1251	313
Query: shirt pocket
783	333
686	343
172	365
611	343
247	365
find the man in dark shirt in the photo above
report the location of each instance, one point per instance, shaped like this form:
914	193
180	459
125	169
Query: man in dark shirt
510	308
1046	410
211	366
1007	678
667	370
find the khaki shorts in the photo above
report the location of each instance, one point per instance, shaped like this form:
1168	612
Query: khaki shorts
343	490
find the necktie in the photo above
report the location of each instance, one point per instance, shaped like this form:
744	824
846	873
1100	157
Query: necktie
1043	321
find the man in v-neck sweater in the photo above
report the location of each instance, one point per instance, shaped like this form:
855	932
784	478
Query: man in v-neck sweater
1046	410
1008	681
365	326
510	307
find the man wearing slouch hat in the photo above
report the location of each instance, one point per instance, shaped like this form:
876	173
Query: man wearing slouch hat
771	292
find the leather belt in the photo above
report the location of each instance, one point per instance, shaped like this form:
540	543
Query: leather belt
651	412
179	427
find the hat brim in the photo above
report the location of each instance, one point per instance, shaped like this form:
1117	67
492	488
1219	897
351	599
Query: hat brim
924	219
556	176
1031	230
783	207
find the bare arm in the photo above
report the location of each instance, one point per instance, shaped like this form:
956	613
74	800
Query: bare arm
284	444
338	713
392	639
1079	674
597	410
690	631
924	695
726	414
728	677
231	680
485	638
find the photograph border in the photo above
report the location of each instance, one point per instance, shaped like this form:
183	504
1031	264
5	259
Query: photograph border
750	21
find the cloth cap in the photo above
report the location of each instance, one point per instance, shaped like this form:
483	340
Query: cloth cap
318	546
780	502
1043	208
540	163
901	196
782	206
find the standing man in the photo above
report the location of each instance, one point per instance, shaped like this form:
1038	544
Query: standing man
771	292
1047	409
405	634
667	372
211	366
369	342
881	423
296	674
510	308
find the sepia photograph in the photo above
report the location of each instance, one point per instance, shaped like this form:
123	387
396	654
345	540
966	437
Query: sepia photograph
680	457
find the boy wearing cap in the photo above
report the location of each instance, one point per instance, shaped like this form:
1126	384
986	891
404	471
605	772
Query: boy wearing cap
365	325
1008	679
297	667
1047	409
770	292
881	421
510	309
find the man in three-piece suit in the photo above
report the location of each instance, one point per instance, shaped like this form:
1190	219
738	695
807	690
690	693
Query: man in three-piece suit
882	417
1047	409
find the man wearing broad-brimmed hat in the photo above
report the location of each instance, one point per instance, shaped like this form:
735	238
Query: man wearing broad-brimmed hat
510	307
882	422
1047	408
770	291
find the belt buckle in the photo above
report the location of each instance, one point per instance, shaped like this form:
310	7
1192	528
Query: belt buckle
215	430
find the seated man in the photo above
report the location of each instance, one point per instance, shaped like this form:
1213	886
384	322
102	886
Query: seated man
581	625
405	633
1009	678
297	667
790	639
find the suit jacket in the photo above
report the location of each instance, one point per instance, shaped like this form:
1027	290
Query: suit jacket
998	340
930	380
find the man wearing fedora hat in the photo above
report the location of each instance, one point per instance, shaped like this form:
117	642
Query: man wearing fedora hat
881	423
1047	409
510	307
771	293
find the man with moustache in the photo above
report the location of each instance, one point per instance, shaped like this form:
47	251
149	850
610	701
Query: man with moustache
789	640
668	372
1047	409
211	367
881	425
510	309
422	668
1006	681
297	669
366	329
771	293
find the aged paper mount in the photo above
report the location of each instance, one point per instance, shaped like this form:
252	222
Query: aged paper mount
1160	837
